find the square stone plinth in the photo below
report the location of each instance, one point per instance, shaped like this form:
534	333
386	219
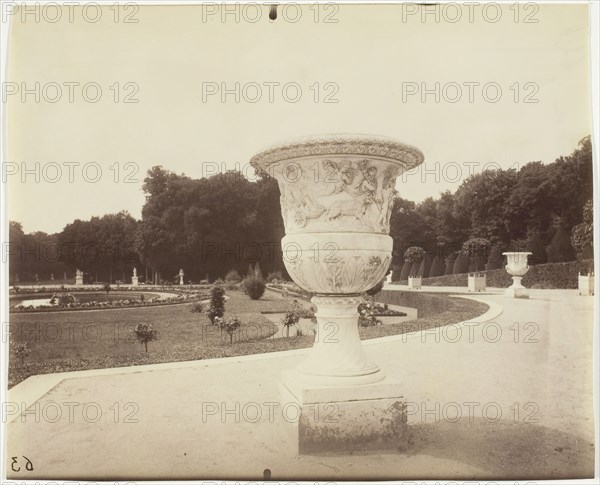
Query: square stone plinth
516	293
346	418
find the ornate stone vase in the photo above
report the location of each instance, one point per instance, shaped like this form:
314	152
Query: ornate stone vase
517	266
336	199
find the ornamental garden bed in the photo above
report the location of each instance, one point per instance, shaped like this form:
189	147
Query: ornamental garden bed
67	301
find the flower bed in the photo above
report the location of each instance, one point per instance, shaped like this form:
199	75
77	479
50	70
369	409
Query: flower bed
292	289
18	290
76	305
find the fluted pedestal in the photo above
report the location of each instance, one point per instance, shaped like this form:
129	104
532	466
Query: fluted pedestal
516	290
344	402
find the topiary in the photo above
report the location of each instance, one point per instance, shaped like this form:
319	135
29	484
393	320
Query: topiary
438	268
461	265
560	249
536	246
450	260
495	259
476	249
405	271
254	286
425	267
414	255
216	306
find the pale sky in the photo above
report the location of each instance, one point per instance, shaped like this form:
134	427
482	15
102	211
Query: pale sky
372	57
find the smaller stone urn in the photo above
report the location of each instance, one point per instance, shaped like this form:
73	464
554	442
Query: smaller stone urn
516	266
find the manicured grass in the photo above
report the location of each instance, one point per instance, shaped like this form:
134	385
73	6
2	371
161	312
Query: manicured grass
100	339
66	341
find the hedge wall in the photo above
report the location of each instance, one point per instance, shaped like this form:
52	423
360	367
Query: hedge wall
551	275
426	304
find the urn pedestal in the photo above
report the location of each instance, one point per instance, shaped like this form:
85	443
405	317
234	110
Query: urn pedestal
336	198
134	281
79	280
516	266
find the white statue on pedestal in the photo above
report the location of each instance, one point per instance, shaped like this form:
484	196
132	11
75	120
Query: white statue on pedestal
78	277
134	278
181	273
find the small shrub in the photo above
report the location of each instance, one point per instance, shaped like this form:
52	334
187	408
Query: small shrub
230	325
274	277
144	334
291	317
254	286
196	307
21	351
233	277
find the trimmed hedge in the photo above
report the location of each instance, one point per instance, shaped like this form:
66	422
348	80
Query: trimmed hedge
550	276
426	304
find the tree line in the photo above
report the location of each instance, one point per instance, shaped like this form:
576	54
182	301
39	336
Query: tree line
210	226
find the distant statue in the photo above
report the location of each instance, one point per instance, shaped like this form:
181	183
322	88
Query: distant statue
181	273
78	273
78	277
134	278
52	276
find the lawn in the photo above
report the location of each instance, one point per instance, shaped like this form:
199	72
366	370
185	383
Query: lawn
80	340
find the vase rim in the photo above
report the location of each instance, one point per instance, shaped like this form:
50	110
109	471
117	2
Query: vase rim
516	252
333	144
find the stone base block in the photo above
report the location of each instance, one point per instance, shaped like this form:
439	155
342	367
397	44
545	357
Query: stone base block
346	418
79	280
134	281
516	292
